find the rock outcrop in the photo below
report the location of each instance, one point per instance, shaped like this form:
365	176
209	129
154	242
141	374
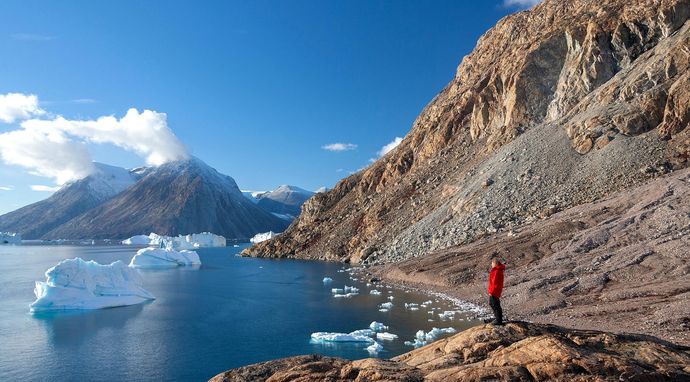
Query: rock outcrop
518	351
555	107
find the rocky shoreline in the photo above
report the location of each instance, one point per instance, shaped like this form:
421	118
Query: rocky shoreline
518	351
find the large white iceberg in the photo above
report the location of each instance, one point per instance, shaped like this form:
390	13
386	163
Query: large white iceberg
10	238
163	258
191	241
259	237
75	284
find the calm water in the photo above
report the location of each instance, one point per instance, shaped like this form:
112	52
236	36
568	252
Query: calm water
231	312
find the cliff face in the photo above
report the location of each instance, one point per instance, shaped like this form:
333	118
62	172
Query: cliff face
516	352
555	107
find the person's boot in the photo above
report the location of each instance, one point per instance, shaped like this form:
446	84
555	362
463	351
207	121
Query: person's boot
497	323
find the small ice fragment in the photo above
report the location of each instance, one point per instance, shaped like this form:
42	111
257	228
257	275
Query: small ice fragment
385	336
386	305
374	348
391	298
377	326
327	280
375	292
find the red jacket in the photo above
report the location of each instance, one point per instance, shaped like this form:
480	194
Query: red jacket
496	280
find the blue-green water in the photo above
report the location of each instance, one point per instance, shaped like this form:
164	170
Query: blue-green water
230	312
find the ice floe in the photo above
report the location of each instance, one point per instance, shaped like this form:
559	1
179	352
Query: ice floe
321	337
76	284
259	237
327	280
385	307
163	258
385	336
191	241
422	338
377	326
10	238
375	292
374	348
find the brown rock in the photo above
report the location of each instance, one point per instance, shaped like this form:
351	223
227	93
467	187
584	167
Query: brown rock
518	351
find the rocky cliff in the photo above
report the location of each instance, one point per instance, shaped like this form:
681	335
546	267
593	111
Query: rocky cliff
516	352
556	106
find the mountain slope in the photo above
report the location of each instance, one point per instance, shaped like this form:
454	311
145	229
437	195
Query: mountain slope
284	200
556	106
35	220
175	198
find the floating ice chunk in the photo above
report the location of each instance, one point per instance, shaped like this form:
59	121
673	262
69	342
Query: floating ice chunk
191	241
377	326
327	280
428	302
433	334
411	306
337	290
137	240
385	336
375	292
346	295
341	271
374	348
391	298
75	284
448	314
321	337
363	332
386	305
384	310
350	289
163	258
259	237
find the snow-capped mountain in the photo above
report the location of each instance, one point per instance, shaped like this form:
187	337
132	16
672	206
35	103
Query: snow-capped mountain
71	200
284	202
176	198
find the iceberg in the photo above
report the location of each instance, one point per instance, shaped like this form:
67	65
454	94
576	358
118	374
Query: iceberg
76	284
191	241
259	237
386	305
163	258
321	337
377	326
327	280
375	292
374	348
10	238
385	336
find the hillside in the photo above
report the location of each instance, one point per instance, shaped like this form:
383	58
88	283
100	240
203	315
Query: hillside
73	199
175	198
556	106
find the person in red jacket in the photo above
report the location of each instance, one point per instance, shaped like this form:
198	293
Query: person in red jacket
495	289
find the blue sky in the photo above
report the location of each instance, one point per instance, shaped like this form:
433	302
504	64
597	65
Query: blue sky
256	89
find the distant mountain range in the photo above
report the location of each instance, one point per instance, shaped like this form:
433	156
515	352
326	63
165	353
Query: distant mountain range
284	202
176	198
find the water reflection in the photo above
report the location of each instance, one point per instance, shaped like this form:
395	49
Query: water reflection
75	327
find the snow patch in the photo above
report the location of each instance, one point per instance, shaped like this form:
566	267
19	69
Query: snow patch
259	237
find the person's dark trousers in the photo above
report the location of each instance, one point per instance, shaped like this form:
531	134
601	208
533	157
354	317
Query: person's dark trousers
495	304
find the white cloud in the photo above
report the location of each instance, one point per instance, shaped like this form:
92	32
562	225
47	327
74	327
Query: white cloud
146	134
42	188
17	106
390	146
6	188
523	4
56	148
339	147
46	153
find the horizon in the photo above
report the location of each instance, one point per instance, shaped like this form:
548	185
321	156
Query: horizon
249	78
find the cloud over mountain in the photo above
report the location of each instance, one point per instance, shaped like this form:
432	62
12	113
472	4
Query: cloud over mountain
57	147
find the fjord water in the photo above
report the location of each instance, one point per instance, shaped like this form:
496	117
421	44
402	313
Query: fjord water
230	312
